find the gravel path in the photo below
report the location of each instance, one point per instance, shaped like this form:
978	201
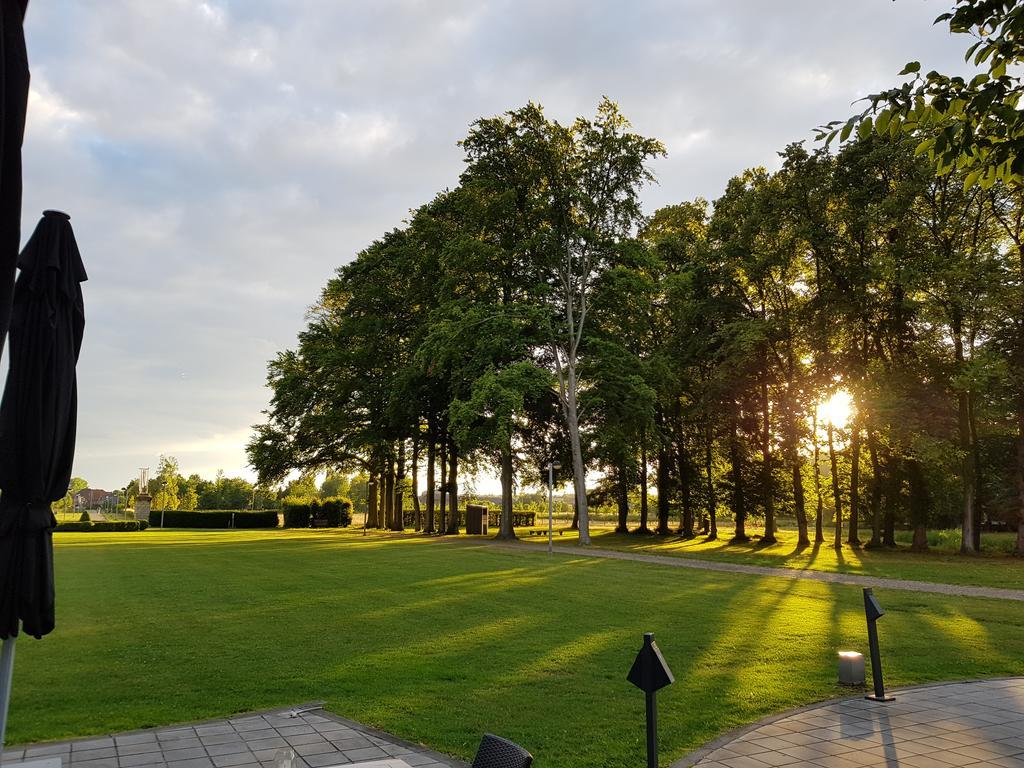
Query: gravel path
829	577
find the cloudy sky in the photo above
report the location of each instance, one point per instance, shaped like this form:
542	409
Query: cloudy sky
220	159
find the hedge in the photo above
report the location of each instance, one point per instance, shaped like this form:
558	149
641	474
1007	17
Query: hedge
103	526
519	519
178	518
330	513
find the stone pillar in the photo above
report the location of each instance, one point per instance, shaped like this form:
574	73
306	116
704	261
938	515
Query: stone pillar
142	505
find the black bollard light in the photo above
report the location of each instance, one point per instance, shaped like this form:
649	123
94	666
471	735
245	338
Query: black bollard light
649	673
874	612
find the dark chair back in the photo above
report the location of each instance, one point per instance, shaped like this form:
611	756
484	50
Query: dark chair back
496	752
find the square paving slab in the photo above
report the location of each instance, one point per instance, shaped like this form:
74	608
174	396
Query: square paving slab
305	736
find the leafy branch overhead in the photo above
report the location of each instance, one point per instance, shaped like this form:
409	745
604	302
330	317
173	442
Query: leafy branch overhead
970	124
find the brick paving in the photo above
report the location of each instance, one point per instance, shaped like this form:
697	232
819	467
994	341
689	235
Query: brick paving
830	577
317	739
978	724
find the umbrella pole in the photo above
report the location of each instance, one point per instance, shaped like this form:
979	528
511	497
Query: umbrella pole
6	672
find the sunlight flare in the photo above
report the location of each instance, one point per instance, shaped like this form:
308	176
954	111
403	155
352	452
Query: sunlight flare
836	410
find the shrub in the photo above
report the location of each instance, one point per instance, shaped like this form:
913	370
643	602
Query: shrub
220	518
178	518
103	526
266	518
338	512
296	515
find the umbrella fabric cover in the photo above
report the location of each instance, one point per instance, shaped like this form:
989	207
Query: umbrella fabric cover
14	80
37	421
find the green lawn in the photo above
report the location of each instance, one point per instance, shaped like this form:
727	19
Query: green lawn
992	568
439	643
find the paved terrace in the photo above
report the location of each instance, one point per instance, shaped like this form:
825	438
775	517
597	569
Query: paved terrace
978	724
317	738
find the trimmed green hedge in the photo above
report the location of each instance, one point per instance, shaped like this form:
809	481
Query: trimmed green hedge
519	519
178	518
103	526
329	513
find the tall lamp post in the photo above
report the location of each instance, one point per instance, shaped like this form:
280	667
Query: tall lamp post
551	467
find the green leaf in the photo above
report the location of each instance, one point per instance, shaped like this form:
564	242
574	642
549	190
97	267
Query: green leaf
972	178
924	146
913	66
999	69
882	123
864	129
845	133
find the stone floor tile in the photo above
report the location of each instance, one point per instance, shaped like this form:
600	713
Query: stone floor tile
237	758
367	753
221	738
295	730
183	754
135	738
137	749
186	742
304	738
315	749
88	744
48	750
326	759
80	756
146	758
106	762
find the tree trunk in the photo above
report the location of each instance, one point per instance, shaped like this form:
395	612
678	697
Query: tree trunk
853	538
894	482
968	480
622	497
979	502
920	504
453	489
382	508
685	490
505	529
416	479
799	505
389	495
578	471
1019	478
431	484
643	483
876	490
970	515
739	505
664	480
443	500
767	480
371	502
712	525
819	525
400	488
836	493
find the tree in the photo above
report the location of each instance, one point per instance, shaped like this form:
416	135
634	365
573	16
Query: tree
973	125
334	484
189	498
168	484
302	487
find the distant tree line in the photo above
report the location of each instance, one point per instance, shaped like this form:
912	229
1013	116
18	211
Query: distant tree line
533	313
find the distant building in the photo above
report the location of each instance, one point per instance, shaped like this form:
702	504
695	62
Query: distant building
93	498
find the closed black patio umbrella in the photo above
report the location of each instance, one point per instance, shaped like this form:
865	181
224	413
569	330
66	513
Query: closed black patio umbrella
13	103
37	428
